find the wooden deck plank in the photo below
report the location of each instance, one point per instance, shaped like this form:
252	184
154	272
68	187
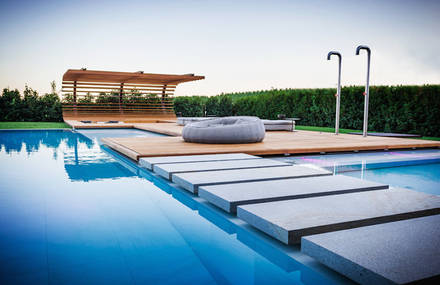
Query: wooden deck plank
120	148
274	143
171	129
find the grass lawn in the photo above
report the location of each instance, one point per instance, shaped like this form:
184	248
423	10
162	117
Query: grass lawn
344	131
33	125
429	138
323	129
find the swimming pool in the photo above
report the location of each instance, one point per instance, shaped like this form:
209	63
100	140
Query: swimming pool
418	170
73	211
98	134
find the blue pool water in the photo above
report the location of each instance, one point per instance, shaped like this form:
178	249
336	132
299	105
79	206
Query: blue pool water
74	212
418	170
422	178
116	133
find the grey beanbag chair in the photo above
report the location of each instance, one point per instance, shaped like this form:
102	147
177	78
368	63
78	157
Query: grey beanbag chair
225	130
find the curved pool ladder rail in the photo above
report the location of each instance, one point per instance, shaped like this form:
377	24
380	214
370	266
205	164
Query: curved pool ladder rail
367	87
338	91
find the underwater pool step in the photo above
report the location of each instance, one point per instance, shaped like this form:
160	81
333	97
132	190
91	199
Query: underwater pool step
229	196
192	180
392	253
167	170
149	162
289	220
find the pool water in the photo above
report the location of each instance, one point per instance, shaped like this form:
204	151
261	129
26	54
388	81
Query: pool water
418	170
98	134
75	212
422	178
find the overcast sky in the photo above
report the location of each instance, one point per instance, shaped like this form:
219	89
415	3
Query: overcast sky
237	45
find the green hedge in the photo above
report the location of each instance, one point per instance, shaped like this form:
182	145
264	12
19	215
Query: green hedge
30	107
402	109
190	106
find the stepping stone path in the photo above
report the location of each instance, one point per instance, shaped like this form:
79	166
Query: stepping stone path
167	170
393	253
149	162
191	181
362	229
229	196
289	220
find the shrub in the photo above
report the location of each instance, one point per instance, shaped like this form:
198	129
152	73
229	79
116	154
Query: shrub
30	107
219	106
190	106
104	97
88	98
403	109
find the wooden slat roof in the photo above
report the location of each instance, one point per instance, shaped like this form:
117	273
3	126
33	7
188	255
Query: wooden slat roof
127	77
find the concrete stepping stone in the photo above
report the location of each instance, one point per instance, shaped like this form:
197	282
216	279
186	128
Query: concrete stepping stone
192	180
400	252
289	220
149	162
167	170
229	196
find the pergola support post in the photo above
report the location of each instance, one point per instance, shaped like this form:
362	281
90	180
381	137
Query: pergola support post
164	95
121	93
74	97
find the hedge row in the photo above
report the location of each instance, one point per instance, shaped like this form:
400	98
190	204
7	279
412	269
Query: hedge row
30	107
402	109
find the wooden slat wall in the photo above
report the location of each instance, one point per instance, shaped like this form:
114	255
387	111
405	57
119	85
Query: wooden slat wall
159	102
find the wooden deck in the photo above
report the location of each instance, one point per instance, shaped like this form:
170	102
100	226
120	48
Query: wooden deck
275	143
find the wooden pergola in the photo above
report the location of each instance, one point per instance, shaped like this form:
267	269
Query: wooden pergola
92	94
